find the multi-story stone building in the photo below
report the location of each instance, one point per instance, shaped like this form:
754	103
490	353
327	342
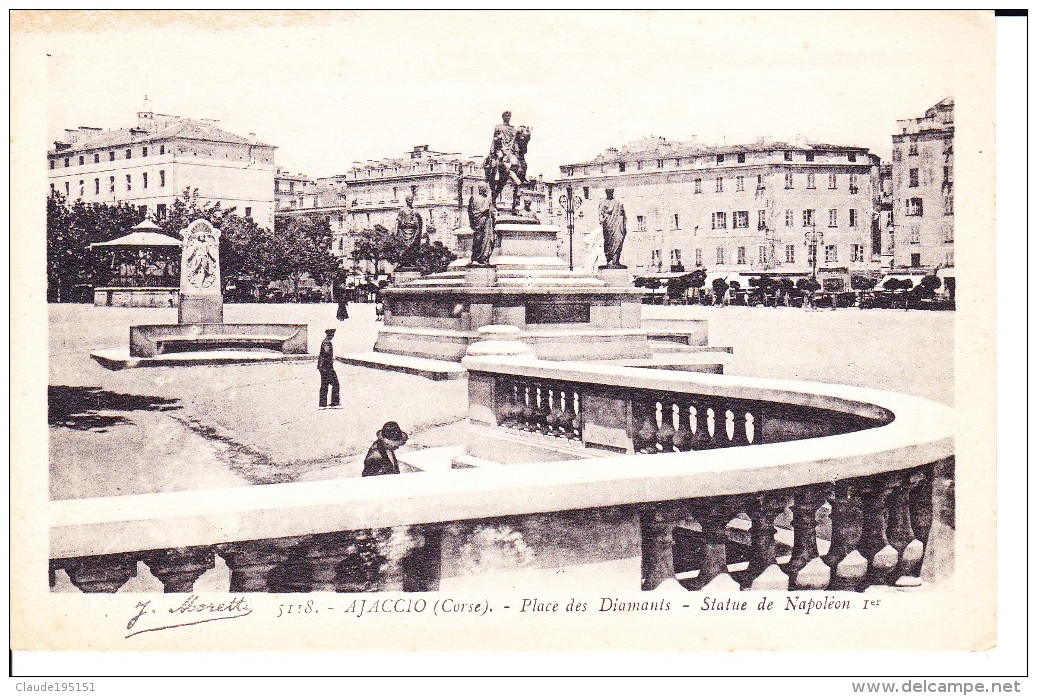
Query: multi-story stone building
293	191
152	163
765	206
923	190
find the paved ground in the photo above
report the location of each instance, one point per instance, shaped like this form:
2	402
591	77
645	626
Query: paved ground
162	429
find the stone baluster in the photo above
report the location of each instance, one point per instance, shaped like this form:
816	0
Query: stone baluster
874	544
683	437
178	569
567	421
97	574
739	438
704	417
763	572
362	563
920	500
713	515
647	429
754	425
577	401
528	395
901	532
806	569
657	522
666	430
843	557
542	409
251	562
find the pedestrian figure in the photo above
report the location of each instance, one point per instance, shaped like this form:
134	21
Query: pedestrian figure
343	308
379	308
326	367
381	457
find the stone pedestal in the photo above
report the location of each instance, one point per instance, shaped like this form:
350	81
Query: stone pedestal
614	277
200	309
484	276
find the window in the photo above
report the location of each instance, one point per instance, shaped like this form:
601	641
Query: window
948	176
759	182
896	154
810	180
741	256
740	183
857	253
916	260
81	161
698	185
66	161
790	217
788	180
80	188
675	257
915	236
914	207
161	149
831	253
947	232
129	183
640	165
658	164
912	175
657	258
853	217
129	153
145	182
160	211
740	219
111	184
761	219
586	193
948	258
853	183
741	158
762	255
790	253
788	155
720	184
622	167
948	205
833	217
808	217
720	159
676	221
832	181
248	212
720	221
720	256
162	177
111	155
67	187
97	187
97	158
698	257
145	152
811	254
640	223
912	148
851	156
53	190
52	164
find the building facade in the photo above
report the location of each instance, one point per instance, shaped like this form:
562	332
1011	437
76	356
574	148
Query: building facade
152	163
923	190
767	206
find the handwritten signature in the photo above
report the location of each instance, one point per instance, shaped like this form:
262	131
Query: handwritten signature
191	612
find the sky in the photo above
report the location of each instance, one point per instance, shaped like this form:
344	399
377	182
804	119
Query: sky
333	89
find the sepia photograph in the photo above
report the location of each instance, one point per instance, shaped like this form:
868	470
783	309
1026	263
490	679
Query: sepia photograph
456	331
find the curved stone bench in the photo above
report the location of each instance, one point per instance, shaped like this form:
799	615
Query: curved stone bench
151	340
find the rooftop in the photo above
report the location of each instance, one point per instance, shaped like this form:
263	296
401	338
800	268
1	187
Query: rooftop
659	148
178	128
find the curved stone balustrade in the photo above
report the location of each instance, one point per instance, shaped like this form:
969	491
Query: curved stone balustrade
845	510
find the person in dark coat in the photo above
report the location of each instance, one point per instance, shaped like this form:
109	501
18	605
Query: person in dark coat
343	308
326	367
381	458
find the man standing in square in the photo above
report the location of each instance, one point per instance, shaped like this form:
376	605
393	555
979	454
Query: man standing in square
326	367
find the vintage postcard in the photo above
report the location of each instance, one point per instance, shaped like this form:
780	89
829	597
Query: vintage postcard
503	331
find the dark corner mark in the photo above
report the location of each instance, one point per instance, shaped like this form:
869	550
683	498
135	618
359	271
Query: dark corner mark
80	408
1011	13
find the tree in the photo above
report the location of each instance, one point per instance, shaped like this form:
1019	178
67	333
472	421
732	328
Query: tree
298	246
434	258
376	245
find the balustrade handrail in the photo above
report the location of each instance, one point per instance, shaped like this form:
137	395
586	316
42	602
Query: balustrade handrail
918	432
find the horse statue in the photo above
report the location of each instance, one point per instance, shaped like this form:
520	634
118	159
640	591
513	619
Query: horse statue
502	166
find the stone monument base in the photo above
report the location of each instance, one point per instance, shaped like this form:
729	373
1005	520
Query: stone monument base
200	309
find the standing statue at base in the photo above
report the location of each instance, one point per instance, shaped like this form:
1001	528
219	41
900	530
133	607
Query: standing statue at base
409	235
613	219
506	162
481	216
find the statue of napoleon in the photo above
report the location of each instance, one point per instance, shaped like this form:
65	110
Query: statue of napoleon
507	160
